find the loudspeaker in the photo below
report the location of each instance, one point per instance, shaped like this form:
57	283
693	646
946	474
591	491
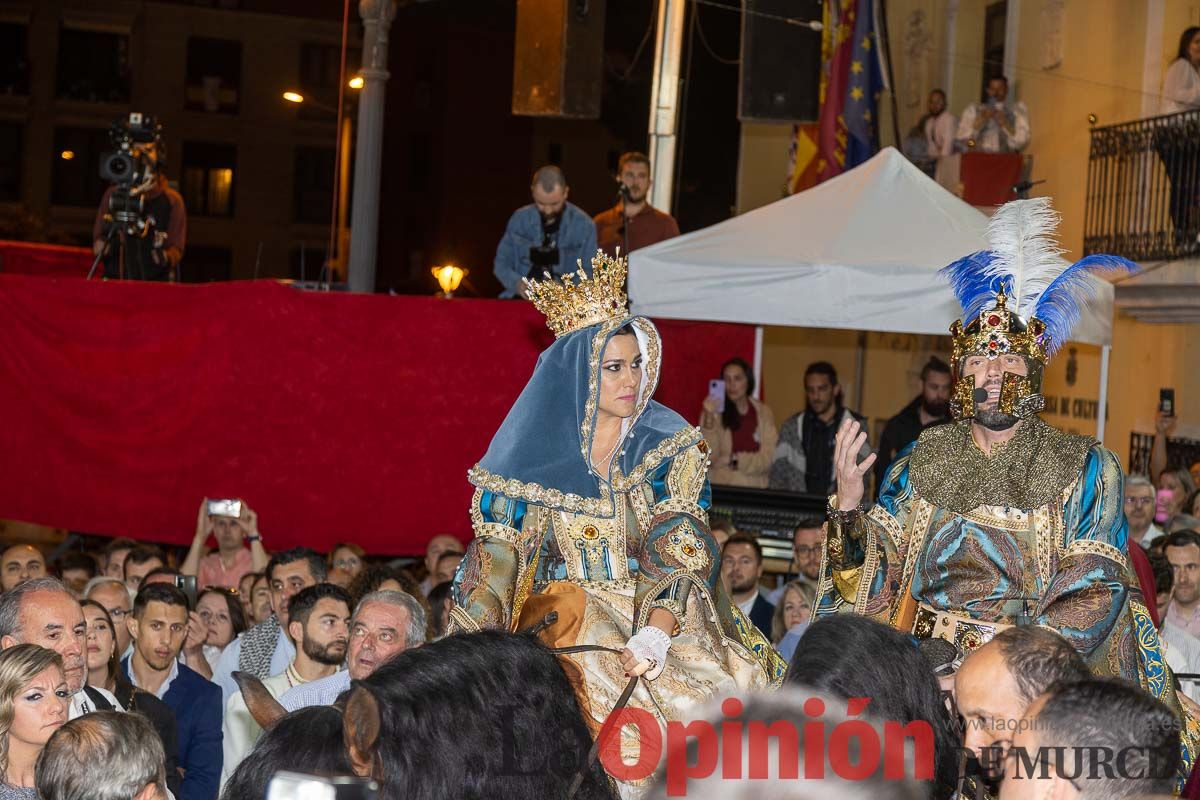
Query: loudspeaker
558	58
781	61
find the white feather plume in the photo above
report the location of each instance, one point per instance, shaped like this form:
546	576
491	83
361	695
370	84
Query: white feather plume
1021	238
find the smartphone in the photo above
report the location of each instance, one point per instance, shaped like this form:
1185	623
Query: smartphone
1166	402
225	508
188	584
298	786
716	390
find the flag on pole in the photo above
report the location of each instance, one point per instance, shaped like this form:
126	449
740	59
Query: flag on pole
802	158
851	82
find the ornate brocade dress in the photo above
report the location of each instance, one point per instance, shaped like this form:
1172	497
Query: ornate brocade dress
603	553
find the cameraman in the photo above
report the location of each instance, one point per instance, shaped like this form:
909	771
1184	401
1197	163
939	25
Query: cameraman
155	256
549	235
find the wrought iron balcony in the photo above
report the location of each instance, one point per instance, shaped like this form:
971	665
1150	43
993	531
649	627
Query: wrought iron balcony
1143	188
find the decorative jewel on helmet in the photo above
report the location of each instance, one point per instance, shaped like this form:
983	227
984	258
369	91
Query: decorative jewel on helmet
579	301
1019	297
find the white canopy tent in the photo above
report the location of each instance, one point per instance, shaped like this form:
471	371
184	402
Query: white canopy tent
860	251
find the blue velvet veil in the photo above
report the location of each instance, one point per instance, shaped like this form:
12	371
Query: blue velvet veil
541	452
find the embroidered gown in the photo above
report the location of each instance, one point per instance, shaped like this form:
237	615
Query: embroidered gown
604	552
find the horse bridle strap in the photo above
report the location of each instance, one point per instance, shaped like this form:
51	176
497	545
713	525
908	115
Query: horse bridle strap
622	701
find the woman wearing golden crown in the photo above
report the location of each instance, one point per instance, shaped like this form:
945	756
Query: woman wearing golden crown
1000	519
591	502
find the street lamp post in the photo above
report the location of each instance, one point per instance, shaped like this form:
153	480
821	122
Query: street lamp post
377	16
341	243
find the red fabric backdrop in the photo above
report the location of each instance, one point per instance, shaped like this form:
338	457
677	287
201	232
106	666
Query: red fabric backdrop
44	259
335	416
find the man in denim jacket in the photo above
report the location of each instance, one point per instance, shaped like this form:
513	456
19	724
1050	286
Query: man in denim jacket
550	229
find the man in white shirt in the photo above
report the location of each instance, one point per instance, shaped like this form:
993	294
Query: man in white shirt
43	611
385	624
940	126
1139	510
319	625
996	126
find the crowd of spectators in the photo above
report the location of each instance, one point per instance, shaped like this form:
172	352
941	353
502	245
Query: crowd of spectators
188	689
747	449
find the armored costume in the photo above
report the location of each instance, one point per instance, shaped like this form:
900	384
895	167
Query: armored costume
604	550
963	543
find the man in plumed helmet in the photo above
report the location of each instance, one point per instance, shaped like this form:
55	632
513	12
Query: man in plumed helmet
999	519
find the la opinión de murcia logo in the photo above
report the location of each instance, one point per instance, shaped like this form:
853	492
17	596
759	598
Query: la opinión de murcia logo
849	749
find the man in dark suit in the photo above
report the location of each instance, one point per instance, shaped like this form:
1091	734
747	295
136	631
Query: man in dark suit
741	569
159	627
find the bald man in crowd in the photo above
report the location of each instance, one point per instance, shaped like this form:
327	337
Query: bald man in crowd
438	546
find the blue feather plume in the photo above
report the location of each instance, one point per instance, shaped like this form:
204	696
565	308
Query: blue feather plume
1060	304
973	281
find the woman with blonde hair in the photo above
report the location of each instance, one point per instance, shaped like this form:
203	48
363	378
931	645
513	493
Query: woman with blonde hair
33	704
792	613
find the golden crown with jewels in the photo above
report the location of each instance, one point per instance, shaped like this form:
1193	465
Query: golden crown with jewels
577	301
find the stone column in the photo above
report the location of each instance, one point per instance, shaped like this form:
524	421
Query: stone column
377	16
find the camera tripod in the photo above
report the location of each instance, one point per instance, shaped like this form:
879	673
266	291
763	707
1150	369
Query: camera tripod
125	219
113	229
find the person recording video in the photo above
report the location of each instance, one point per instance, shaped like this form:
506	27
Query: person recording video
995	125
548	235
140	231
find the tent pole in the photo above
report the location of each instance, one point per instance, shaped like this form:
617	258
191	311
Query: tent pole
664	100
1102	406
758	339
860	371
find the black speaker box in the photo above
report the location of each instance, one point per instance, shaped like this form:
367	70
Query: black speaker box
781	62
558	58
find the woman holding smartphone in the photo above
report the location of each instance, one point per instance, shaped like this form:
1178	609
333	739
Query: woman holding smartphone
741	433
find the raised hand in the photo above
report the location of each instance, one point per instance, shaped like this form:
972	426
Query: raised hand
846	444
203	523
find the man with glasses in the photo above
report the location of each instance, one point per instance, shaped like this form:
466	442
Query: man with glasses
808	542
112	594
1139	510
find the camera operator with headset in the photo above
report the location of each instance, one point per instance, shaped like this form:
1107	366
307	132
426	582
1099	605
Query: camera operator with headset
141	226
549	235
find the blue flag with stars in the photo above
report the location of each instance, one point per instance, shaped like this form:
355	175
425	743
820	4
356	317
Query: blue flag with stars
861	108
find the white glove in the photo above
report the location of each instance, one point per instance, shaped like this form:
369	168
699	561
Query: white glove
649	646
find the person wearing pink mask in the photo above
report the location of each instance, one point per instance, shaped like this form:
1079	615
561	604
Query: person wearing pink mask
1175	487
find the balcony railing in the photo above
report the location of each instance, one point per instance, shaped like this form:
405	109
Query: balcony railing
1142	188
